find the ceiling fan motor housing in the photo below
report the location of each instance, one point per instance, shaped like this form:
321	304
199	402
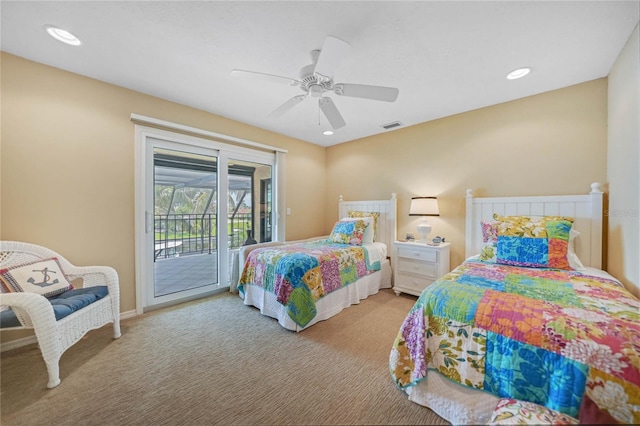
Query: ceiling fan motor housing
310	82
307	71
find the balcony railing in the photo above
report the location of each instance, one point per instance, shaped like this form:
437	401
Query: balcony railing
186	234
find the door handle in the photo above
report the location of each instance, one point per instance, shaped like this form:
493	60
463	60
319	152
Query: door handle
148	222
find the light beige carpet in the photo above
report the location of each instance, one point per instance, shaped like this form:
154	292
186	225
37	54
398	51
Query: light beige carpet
217	361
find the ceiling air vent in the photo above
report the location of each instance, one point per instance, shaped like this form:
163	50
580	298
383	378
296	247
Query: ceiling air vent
392	125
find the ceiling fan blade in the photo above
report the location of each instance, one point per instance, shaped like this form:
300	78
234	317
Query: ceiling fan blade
332	53
331	112
378	93
286	106
265	76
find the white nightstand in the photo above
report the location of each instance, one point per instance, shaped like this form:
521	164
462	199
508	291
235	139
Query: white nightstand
417	265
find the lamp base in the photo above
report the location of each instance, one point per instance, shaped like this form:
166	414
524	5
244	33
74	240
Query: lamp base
424	229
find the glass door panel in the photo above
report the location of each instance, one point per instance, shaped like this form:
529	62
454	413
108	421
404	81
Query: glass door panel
249	220
185	245
266	209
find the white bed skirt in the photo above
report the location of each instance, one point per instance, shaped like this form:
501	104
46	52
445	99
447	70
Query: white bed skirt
453	402
327	306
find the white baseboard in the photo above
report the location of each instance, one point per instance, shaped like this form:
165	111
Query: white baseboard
18	343
24	341
128	314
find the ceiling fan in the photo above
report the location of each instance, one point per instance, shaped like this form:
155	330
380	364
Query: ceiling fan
317	78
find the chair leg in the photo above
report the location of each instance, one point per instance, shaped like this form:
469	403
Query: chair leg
116	329
53	368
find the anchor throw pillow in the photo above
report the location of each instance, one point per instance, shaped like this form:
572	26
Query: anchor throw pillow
44	277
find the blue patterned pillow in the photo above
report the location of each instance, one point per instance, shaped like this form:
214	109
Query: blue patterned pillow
534	241
348	232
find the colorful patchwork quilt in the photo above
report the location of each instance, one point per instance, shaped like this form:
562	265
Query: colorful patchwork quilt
558	338
300	274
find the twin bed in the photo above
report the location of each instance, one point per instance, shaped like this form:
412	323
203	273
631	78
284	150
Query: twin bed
530	315
522	319
303	282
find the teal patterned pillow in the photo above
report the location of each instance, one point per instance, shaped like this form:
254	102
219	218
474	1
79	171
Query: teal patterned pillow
348	232
534	241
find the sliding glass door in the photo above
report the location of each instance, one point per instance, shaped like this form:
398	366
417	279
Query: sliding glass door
201	201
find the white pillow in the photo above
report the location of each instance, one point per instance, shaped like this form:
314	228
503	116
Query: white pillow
368	230
44	277
572	256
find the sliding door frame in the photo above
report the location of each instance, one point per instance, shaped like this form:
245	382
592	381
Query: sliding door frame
224	152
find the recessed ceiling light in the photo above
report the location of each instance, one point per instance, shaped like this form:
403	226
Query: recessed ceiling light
327	132
63	35
518	73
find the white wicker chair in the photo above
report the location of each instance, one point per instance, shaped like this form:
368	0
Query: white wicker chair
34	311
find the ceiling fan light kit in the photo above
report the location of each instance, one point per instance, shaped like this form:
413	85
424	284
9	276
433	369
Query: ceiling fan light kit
317	78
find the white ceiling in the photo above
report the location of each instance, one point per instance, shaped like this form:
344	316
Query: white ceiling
444	57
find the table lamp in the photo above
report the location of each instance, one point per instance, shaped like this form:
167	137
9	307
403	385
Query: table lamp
424	206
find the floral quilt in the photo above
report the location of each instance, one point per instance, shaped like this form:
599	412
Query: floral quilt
300	274
558	338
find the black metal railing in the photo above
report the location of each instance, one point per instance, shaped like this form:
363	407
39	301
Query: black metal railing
185	234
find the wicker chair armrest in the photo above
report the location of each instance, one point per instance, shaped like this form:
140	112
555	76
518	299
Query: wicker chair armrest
36	306
94	276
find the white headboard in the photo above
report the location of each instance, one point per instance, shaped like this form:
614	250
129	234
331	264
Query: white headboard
387	222
586	210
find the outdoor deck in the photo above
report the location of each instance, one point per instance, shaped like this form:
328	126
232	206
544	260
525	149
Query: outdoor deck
174	274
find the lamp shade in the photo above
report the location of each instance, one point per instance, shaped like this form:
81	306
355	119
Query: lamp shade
424	206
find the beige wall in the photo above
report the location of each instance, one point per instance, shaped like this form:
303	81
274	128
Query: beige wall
552	143
67	168
623	165
67	165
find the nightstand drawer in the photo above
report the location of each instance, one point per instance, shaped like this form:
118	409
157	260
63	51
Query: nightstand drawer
416	267
418	253
413	285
